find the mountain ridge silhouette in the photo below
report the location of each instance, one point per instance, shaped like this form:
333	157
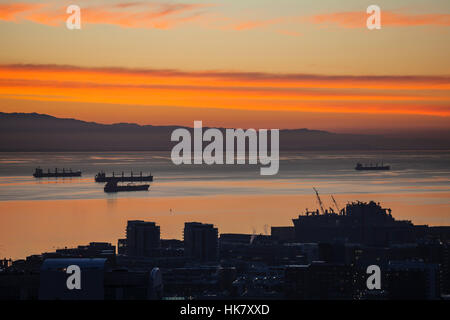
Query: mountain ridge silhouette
34	132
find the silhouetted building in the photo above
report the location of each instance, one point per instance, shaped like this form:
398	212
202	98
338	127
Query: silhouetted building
320	281
93	250
283	234
172	244
19	286
143	239
413	280
445	269
5	263
53	279
121	246
191	281
200	241
441	233
359	222
235	238
98	282
133	285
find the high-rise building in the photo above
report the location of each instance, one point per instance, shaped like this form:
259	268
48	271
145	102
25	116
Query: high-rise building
358	222
143	238
122	246
200	241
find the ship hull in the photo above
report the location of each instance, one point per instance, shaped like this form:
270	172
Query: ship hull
116	188
57	175
372	168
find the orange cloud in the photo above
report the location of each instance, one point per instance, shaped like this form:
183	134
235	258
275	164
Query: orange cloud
357	19
127	15
161	15
17	11
415	95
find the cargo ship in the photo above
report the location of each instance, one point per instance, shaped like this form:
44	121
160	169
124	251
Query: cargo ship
112	187
102	177
39	173
361	167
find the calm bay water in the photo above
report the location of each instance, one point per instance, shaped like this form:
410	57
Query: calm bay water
41	214
299	172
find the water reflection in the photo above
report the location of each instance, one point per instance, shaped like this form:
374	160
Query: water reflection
38	215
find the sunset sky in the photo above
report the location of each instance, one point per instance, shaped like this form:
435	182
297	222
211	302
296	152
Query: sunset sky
235	63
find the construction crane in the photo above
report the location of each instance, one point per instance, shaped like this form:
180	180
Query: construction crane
253	235
335	203
319	200
266	229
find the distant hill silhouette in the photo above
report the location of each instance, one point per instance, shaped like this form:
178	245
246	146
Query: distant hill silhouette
39	132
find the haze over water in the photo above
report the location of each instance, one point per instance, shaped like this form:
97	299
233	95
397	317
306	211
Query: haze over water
38	215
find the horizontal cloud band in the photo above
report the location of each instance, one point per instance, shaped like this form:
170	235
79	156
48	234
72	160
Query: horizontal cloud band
427	95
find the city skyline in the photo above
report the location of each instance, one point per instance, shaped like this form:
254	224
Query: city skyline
325	255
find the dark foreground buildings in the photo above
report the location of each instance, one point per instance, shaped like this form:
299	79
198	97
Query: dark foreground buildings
200	241
358	222
323	256
143	239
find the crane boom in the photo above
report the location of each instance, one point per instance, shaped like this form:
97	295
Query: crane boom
319	200
335	203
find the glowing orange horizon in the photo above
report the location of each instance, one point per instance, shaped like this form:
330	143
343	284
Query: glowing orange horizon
407	95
